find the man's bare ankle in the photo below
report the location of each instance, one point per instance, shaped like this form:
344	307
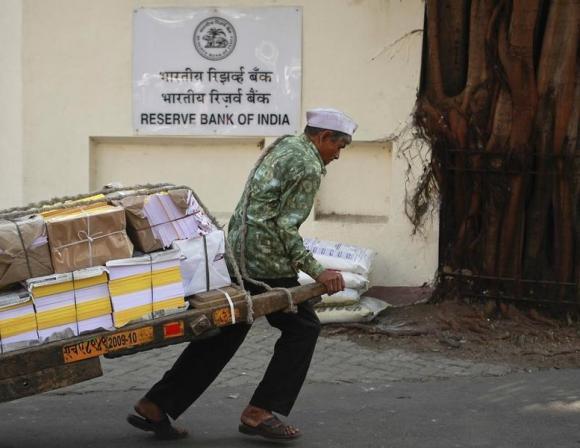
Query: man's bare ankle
146	408
254	415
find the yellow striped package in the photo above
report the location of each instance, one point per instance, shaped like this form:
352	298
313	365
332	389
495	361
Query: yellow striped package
145	287
168	293
54	301
17	321
92	299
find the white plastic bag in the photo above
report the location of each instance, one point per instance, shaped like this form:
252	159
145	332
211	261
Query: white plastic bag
341	298
196	256
339	256
365	311
351	280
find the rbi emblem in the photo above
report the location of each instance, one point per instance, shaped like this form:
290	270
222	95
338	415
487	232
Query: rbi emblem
214	38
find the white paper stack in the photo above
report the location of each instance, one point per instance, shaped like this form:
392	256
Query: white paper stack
168	293
54	301
168	222
18	327
93	301
203	264
130	288
144	287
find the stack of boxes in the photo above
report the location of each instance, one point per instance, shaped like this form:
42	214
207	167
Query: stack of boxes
145	287
81	273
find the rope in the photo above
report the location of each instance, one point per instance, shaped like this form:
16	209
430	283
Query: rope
24	248
59	203
231	304
239	274
206	263
244	230
232	261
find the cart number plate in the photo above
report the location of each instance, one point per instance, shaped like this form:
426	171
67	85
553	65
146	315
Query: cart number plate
100	345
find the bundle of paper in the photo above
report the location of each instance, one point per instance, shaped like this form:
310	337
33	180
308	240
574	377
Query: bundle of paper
17	321
93	303
130	289
85	237
62	208
54	301
156	220
168	293
203	266
24	250
145	287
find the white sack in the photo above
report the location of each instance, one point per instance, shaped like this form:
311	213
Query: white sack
351	280
339	256
193	263
365	311
341	298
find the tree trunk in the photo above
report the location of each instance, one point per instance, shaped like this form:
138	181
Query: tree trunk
499	105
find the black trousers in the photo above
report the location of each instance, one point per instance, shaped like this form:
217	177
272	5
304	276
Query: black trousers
202	361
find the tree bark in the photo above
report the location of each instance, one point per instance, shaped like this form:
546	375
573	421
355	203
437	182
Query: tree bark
498	104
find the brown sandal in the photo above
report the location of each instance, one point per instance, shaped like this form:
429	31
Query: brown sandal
163	429
271	428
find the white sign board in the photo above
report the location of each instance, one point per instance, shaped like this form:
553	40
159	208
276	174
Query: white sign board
217	71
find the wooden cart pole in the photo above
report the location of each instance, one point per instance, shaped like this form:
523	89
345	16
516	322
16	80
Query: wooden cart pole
62	363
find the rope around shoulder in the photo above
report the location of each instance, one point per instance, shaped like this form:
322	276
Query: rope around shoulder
244	230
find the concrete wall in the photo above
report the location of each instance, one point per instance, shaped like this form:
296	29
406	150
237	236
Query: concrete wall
75	131
11	180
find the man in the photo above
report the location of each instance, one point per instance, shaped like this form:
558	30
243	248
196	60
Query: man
281	196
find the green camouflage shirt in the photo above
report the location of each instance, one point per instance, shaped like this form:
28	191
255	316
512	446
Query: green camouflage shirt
282	193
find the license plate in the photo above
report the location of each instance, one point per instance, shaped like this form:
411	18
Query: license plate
100	345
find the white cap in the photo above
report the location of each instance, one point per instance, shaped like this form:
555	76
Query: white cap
331	119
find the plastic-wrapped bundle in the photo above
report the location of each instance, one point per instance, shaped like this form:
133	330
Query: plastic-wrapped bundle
203	264
365	311
24	250
342	257
157	220
351	280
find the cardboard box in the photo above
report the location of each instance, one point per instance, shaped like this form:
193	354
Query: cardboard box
138	226
155	221
84	238
24	250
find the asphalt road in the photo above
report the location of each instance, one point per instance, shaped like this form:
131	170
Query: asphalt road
538	409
